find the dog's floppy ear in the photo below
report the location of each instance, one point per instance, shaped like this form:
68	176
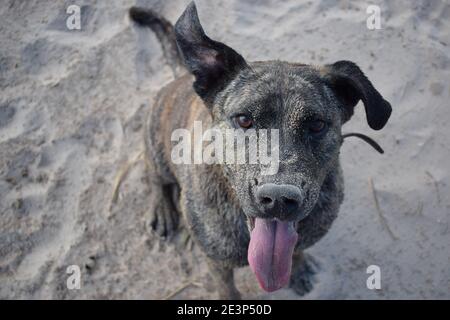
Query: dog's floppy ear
351	85
212	63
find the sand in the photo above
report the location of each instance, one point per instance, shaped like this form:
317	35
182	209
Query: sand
72	107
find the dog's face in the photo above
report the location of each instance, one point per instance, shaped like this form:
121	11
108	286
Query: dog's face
306	104
295	101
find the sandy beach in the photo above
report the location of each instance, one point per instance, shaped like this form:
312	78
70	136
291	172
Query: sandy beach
73	189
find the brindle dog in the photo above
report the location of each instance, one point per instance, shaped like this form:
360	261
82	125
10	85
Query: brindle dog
237	215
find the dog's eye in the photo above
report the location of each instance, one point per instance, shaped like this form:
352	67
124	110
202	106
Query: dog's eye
317	126
243	121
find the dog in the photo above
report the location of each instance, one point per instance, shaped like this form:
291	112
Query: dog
236	214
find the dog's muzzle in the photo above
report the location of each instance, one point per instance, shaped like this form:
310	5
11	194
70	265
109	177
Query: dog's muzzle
281	202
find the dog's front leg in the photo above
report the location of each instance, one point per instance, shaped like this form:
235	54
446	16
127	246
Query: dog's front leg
304	268
224	278
163	213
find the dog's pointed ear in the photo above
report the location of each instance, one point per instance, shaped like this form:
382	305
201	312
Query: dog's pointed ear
351	85
212	63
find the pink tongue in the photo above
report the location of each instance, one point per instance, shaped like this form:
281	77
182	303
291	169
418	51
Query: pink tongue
270	252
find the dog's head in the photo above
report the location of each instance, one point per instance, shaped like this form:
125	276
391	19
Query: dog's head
307	104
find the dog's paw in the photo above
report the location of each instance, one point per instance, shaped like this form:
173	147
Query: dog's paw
303	277
163	219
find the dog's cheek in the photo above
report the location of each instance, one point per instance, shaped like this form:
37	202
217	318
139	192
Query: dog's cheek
312	195
326	151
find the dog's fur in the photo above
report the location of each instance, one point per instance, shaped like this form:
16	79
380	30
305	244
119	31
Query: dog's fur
216	200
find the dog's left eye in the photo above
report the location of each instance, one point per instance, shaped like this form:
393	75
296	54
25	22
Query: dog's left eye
317	126
243	121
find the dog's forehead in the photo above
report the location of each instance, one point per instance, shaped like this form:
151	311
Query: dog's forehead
293	88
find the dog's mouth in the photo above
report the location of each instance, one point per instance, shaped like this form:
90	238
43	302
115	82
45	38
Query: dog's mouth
272	244
251	223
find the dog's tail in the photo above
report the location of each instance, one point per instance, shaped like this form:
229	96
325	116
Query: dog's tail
164	32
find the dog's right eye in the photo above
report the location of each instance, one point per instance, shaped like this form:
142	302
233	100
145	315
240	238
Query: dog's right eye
243	121
317	126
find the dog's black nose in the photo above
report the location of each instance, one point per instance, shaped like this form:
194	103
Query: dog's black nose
279	200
